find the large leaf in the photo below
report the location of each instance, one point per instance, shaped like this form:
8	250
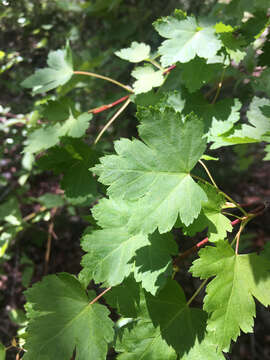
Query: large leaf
58	72
147	79
229	299
158	171
62	319
186	39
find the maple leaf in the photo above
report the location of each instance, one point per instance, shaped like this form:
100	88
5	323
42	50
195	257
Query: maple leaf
111	249
157	172
186	39
137	52
62	319
153	263
144	342
229	299
257	130
58	72
179	324
147	78
75	127
207	72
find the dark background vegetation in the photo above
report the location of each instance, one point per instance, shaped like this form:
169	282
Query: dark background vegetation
95	29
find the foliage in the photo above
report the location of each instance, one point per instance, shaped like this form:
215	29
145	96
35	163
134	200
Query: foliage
147	193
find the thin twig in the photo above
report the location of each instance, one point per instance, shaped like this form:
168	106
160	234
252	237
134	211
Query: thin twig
33	214
103	78
197	246
100	295
219	86
115	116
51	234
166	71
197	292
108	106
208	173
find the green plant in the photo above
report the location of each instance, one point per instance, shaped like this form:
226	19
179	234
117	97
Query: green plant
156	185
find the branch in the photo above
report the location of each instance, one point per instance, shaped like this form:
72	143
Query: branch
196	247
100	295
108	106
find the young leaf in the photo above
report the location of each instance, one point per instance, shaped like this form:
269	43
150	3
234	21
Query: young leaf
75	127
58	72
63	320
186	40
157	171
153	263
111	249
229	299
137	52
211	216
147	78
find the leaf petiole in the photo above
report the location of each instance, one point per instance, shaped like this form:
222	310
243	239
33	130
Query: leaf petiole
104	78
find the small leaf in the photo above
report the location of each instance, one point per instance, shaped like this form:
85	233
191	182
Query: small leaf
147	78
58	72
135	53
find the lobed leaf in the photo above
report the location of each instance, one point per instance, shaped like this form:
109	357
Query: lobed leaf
229	300
62	319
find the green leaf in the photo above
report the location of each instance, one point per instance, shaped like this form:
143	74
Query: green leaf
229	299
157	172
147	78
125	298
63	319
42	139
186	40
211	216
154	263
58	72
135	53
144	342
51	200
2	352
197	73
267	156
110	250
73	161
259	126
75	127
262	83
179	324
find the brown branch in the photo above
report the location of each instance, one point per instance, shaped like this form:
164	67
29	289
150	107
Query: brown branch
100	295
51	234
